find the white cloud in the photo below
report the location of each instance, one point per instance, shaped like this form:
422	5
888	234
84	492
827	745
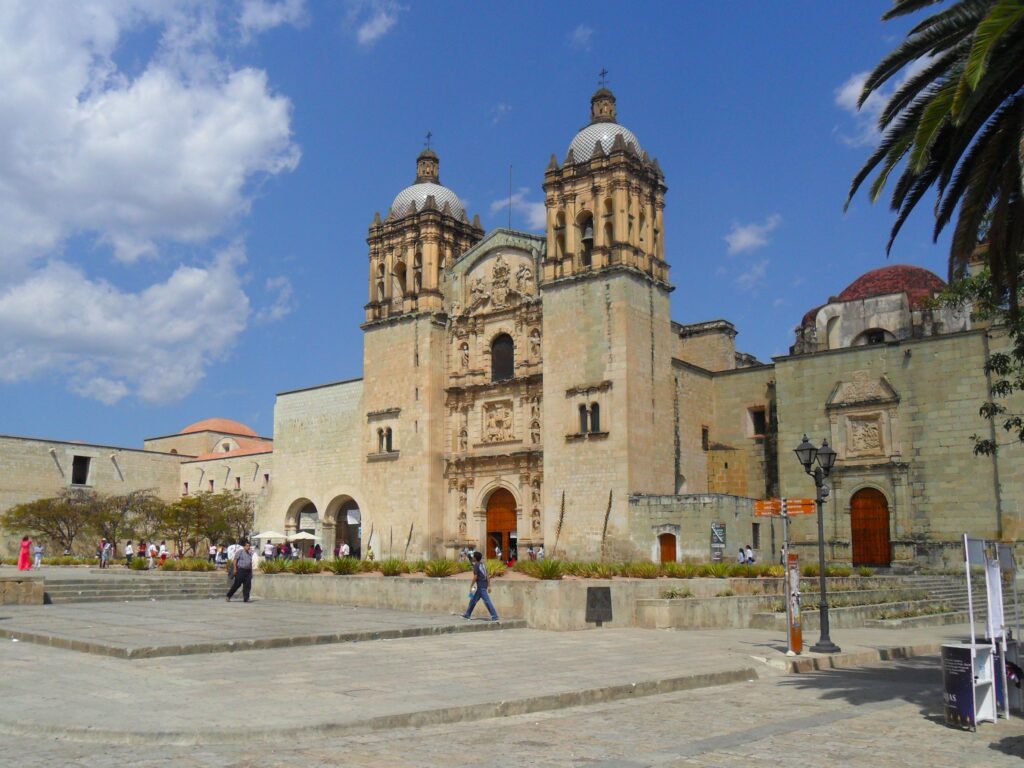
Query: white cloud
754	276
260	15
133	162
372	19
580	38
499	112
865	119
535	213
107	343
750	237
282	304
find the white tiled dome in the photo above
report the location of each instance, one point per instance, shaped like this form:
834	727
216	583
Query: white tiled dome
420	192
583	144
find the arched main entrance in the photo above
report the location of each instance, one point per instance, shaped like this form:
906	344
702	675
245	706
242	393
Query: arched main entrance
869	528
667	545
501	523
342	523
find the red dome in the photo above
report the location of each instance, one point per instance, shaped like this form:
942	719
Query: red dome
918	283
228	426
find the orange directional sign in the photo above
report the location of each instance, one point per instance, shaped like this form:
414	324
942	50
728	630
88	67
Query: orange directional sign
777	507
799	506
768	507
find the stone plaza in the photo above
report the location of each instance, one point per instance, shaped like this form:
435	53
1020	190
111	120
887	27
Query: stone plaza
278	682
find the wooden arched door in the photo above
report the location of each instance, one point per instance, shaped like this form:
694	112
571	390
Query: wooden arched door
501	523
869	528
667	543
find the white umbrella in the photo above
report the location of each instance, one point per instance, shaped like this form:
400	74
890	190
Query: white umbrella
269	535
302	536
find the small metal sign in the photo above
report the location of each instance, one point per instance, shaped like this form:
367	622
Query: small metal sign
599	605
717	542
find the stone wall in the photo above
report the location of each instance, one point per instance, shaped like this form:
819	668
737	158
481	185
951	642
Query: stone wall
320	442
689	519
33	469
901	416
711	345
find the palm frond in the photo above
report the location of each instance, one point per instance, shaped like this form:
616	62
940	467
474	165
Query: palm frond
1003	16
934	117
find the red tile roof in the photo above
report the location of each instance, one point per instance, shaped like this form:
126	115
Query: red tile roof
229	426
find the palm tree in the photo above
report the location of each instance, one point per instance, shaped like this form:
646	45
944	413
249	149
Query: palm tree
957	123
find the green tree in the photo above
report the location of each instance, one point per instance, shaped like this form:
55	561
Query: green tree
226	515
116	516
956	123
59	519
179	522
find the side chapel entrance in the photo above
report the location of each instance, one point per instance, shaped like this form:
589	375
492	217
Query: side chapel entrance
869	528
667	541
501	523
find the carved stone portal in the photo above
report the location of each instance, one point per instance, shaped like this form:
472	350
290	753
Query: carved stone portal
497	421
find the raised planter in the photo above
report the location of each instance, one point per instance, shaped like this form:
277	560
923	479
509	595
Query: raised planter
21	588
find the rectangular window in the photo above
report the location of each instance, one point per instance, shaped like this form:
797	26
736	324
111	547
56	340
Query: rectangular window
211	486
755	534
705	439
238	483
266	480
758	421
184	490
80	470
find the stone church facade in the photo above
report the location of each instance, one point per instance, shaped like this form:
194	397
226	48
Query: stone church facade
533	390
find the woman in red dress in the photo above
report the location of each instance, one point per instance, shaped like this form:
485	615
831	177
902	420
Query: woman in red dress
24	559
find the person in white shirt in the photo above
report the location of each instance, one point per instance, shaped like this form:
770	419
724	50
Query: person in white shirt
231	561
540	552
213	553
151	552
268	549
345	550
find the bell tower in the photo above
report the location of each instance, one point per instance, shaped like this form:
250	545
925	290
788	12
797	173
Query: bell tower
607	336
424	231
605	203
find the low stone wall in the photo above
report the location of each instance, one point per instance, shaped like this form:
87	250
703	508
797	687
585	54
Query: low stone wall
21	589
557	605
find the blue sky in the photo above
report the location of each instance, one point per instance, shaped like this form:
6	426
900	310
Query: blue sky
185	187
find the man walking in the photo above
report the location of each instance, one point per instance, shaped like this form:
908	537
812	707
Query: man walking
480	582
243	571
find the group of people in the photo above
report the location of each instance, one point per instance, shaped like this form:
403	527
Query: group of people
152	551
28	552
746	555
291	551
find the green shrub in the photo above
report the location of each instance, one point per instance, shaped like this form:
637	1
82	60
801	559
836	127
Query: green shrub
838	570
392	566
139	564
774	571
305	565
676	594
865	572
679	570
187	564
602	571
572	567
439	569
640	570
368	566
549	570
417	566
496	568
810	569
716	570
343	566
726	593
273	565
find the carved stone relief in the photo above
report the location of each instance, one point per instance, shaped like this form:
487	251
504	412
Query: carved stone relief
864	434
497	425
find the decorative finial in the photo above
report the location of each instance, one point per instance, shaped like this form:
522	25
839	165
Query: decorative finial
429	137
604	77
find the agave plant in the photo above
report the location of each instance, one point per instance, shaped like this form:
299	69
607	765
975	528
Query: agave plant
343	566
438	569
392	566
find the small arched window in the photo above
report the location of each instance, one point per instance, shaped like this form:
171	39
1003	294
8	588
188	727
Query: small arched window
595	417
380	441
399	288
585	225
583	419
502	358
387	440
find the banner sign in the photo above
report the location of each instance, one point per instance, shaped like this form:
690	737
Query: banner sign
796	632
958	686
717	542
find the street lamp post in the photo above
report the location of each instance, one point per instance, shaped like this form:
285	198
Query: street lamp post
826	458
